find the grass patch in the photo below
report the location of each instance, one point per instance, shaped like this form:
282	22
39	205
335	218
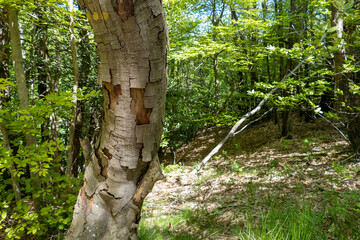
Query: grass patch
166	227
284	220
292	189
264	217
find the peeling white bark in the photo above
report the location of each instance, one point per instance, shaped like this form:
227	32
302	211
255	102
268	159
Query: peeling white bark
131	37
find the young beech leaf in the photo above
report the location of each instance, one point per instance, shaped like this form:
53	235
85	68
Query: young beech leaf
332	29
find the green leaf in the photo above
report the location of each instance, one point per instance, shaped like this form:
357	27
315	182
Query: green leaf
349	5
332	29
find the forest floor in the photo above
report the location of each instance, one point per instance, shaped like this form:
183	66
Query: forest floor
256	176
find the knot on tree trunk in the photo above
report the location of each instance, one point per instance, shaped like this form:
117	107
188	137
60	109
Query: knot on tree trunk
125	9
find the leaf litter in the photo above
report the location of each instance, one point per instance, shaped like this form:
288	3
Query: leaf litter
253	167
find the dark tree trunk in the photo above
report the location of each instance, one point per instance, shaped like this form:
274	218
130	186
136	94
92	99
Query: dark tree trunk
353	99
42	62
340	81
286	129
354	135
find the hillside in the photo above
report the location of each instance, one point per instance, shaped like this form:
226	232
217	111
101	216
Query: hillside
257	177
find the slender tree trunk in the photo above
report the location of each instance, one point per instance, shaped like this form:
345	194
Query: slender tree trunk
353	99
4	73
215	20
42	62
339	57
131	38
354	133
216	78
73	148
286	129
84	71
21	85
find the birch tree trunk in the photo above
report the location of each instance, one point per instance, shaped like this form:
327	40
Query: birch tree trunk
131	38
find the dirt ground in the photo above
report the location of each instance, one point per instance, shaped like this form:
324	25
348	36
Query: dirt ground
255	163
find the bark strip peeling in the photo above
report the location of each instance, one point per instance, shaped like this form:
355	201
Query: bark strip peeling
123	167
114	93
138	107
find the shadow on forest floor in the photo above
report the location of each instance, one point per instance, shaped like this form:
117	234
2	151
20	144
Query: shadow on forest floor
259	187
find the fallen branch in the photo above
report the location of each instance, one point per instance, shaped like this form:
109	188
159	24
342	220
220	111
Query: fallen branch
243	128
233	132
342	134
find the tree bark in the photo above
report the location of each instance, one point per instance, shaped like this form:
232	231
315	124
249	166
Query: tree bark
353	99
286	128
123	167
42	61
72	149
339	57
21	84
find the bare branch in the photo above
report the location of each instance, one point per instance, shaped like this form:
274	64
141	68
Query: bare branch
342	134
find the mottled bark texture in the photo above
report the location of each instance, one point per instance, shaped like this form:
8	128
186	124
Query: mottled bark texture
131	37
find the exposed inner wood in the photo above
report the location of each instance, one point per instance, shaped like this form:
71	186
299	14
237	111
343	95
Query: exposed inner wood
107	153
104	165
137	106
114	93
125	9
87	203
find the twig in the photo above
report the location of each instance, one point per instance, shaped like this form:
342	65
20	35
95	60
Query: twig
83	38
253	122
342	134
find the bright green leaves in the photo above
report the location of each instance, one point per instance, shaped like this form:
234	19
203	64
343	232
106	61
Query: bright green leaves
344	5
5	84
354	88
44	159
39	158
55	215
298	91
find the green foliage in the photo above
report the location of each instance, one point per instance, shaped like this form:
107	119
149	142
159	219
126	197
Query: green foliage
342	211
44	211
339	169
170	168
20	218
166	227
224	58
234	53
